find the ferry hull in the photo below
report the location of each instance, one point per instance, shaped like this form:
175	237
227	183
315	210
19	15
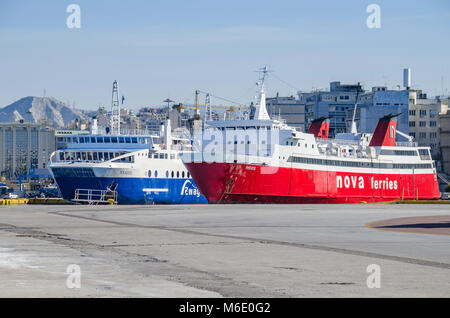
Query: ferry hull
244	183
135	190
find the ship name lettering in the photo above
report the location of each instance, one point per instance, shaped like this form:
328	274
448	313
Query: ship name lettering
350	181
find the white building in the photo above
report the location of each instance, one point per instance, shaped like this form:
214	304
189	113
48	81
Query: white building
424	120
24	147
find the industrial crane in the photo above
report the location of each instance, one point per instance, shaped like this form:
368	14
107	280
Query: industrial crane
208	105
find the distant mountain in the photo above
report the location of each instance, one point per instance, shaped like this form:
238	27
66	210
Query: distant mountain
34	109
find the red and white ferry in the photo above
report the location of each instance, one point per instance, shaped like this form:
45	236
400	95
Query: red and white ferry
265	161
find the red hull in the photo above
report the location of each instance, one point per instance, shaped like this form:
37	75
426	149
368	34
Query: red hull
243	183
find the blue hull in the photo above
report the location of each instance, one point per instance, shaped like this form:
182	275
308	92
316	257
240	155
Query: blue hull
130	190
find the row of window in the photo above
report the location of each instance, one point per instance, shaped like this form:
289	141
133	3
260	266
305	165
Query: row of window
90	155
422	123
104	139
161	155
172	174
359	164
246	128
291	143
423	113
390	152
423	135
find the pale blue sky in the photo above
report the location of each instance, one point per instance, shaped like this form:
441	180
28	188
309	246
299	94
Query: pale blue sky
160	49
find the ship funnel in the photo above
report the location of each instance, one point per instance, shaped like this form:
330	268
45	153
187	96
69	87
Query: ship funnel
320	127
385	131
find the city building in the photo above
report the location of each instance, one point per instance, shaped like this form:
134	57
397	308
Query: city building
287	108
377	103
333	103
424	120
444	133
25	148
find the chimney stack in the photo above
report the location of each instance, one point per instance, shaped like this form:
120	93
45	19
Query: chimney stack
407	78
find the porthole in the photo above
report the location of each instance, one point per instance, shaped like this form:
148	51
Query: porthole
149	173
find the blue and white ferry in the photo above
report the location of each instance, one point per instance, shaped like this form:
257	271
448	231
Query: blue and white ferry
137	169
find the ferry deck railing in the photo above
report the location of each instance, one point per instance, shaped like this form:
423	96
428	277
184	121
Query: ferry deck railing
94	196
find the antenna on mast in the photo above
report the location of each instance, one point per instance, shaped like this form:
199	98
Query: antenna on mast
263	73
261	110
354	130
115	110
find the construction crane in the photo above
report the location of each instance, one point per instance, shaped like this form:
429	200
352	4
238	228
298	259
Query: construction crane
208	105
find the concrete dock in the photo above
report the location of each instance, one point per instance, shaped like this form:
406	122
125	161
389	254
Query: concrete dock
224	251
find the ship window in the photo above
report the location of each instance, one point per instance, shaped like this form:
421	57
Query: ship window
83	156
155	156
172	156
121	140
95	156
134	140
89	156
127	159
99	139
161	156
100	156
165	156
106	156
172	174
114	140
128	140
81	140
149	173
188	175
182	174
93	140
156	173
61	156
108	140
167	174
141	140
111	155
178	174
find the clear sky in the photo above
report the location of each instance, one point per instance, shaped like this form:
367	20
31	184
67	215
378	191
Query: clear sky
165	48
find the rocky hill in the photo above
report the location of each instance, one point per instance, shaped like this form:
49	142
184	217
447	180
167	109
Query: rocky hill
34	109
